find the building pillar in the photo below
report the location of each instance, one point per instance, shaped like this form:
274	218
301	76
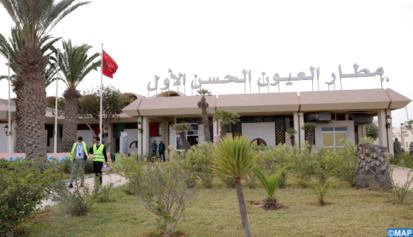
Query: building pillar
385	134
301	132
145	140
296	128
361	132
165	132
216	129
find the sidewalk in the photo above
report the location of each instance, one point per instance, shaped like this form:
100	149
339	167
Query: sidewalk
400	176
116	179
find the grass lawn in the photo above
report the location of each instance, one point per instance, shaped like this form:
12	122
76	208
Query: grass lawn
215	212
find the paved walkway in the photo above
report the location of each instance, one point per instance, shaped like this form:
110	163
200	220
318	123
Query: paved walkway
107	178
400	176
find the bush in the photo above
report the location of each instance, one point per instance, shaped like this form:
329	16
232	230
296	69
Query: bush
22	186
105	193
407	159
345	161
187	165
274	158
319	190
77	202
89	167
228	181
323	165
200	158
399	192
393	160
161	186
303	167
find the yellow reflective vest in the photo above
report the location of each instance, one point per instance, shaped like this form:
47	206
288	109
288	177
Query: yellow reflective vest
84	149
98	153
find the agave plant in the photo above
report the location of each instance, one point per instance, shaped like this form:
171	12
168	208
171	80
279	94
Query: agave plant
319	190
271	184
235	158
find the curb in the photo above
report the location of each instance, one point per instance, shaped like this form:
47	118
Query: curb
399	167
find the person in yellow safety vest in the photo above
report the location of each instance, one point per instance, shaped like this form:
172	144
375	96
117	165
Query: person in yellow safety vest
78	155
99	157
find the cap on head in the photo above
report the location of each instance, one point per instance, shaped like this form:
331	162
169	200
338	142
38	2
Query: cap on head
80	138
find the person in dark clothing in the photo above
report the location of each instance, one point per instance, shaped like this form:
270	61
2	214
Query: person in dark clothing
99	157
162	150
154	147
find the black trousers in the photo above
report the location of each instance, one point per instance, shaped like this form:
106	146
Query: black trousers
97	167
162	155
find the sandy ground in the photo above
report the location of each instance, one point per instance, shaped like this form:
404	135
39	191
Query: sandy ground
399	177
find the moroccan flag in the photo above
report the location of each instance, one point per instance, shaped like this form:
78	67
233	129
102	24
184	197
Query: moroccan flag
109	65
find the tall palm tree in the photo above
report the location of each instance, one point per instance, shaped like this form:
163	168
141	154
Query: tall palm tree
235	158
181	128
225	118
14	45
202	104
310	128
75	64
34	19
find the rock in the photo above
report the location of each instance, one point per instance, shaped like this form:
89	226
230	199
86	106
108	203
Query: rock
373	169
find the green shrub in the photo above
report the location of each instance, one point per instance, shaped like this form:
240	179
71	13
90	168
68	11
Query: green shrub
271	184
303	167
228	181
22	187
345	161
161	186
393	160
105	192
251	180
398	192
89	167
407	159
274	158
323	165
77	201
319	190
199	157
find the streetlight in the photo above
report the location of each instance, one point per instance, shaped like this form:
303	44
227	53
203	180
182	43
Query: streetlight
388	121
6	130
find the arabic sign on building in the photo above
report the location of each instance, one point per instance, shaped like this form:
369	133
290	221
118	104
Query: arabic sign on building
263	81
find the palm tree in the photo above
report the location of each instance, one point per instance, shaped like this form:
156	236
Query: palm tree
225	118
310	127
292	132
14	46
181	128
75	64
34	19
202	104
235	158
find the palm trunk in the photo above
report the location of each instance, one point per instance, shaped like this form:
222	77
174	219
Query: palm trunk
310	140
224	130
19	129
204	105
32	106
185	142
242	207
71	96
292	140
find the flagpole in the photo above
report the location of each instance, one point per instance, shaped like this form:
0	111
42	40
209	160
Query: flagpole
9	122
101	88
56	103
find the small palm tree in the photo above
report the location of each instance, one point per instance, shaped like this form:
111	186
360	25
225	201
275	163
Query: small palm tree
271	184
75	64
292	132
203	105
235	158
225	118
181	128
13	46
319	190
310	128
34	19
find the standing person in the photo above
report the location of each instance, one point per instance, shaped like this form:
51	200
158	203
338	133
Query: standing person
78	156
99	157
162	150
154	147
397	147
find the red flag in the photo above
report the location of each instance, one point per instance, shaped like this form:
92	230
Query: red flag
109	65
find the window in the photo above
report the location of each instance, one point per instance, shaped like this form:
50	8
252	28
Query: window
332	136
191	136
259	142
134	144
